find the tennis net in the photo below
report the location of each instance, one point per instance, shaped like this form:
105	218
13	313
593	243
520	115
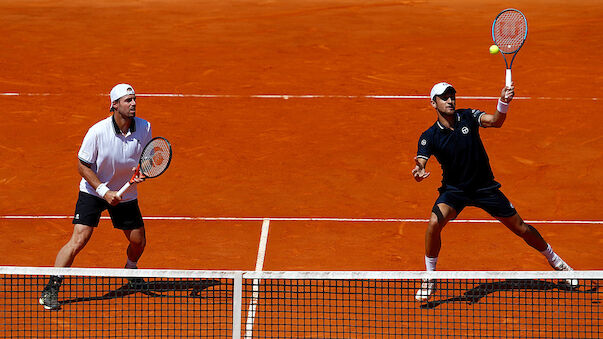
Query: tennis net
118	303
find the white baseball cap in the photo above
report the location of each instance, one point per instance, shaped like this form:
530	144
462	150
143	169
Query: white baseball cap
440	88
119	91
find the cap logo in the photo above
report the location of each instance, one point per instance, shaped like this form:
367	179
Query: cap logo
119	91
439	89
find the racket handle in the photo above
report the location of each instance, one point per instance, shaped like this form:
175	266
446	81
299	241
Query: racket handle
123	189
508	78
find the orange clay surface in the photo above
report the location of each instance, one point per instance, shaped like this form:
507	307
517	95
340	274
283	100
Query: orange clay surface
341	157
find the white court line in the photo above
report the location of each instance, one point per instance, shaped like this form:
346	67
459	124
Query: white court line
303	96
259	263
310	96
259	266
412	220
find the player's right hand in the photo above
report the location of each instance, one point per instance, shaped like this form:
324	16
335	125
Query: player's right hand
507	93
112	198
419	172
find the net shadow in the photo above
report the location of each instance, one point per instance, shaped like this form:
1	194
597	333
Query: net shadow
481	291
152	289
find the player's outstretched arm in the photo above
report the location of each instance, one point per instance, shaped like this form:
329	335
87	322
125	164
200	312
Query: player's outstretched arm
419	172
497	119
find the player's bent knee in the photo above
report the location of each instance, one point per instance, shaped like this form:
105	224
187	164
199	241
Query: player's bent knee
138	242
77	244
439	219
80	237
529	229
433	222
142	242
521	228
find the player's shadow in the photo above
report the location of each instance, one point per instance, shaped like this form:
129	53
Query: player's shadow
475	294
152	289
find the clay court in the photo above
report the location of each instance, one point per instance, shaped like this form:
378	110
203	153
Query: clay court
300	109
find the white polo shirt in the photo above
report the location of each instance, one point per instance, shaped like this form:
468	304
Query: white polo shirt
112	155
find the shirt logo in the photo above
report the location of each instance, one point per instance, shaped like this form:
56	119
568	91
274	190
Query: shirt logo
465	130
423	142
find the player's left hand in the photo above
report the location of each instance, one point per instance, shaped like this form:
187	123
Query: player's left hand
419	172
507	93
139	178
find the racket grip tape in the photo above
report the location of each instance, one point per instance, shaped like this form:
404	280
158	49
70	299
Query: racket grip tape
508	78
123	189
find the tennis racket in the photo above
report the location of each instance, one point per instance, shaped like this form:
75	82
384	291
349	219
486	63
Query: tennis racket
154	160
509	32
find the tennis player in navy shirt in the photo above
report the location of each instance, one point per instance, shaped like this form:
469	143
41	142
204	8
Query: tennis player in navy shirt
467	179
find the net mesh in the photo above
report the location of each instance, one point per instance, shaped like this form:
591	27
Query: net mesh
113	307
464	308
509	31
207	304
156	157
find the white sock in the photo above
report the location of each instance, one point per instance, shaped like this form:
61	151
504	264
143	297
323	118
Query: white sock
430	263
551	256
131	264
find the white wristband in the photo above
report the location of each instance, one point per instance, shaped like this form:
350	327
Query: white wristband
102	189
502	107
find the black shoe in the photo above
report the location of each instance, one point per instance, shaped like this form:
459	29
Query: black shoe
50	294
136	283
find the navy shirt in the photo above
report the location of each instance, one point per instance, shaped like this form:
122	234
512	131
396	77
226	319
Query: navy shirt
460	152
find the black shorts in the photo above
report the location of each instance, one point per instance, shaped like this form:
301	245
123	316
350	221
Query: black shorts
125	216
491	200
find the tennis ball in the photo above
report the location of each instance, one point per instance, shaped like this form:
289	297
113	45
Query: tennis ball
493	49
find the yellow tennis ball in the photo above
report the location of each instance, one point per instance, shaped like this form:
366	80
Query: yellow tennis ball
493	49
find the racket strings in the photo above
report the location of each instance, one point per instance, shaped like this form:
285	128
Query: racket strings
155	158
510	30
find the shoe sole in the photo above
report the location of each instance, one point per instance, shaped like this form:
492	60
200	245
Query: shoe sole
424	296
48	307
571	283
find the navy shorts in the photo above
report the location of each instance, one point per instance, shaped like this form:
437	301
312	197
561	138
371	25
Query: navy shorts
491	200
125	216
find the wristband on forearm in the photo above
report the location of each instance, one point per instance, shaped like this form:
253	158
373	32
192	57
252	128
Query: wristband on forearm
502	107
102	189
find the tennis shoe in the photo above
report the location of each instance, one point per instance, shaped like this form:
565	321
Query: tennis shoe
563	266
50	294
135	283
428	288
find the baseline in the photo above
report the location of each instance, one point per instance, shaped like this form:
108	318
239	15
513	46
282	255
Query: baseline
411	220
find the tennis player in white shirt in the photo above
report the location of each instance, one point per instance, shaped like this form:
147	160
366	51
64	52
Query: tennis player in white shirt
106	160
